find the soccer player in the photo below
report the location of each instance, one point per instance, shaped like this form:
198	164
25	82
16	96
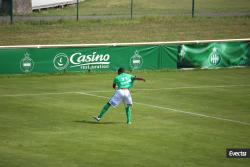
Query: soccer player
122	83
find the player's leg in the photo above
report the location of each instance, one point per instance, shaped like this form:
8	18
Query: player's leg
104	110
128	105
129	113
114	101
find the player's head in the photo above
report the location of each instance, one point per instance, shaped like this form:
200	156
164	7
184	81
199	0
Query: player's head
120	70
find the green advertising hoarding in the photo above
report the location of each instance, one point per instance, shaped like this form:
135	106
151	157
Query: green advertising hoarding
76	59
53	59
215	54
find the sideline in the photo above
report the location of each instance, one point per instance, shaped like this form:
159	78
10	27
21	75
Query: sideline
104	91
175	110
89	93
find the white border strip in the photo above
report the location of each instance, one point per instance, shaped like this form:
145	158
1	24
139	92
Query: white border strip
123	44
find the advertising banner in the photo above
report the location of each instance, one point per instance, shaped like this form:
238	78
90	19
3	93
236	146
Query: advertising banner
212	55
77	59
52	59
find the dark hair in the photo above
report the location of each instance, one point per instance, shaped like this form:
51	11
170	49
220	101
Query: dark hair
121	70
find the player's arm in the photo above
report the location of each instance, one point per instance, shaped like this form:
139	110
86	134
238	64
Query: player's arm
139	79
114	85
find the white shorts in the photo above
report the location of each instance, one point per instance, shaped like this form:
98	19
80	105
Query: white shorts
121	95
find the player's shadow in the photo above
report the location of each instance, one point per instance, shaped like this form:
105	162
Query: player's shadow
95	122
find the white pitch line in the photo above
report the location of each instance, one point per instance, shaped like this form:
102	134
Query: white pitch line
148	105
174	88
196	87
48	93
191	113
88	94
104	91
36	94
175	110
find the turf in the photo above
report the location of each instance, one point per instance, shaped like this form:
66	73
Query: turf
39	129
147	29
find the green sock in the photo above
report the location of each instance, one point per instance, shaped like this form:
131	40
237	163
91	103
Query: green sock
104	110
128	113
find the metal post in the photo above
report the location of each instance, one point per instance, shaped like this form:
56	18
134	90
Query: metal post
131	10
192	8
77	11
11	11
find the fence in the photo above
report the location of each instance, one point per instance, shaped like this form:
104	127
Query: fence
94	9
132	56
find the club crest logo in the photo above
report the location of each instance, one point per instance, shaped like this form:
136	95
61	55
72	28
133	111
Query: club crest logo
243	61
27	64
182	53
215	57
136	61
61	61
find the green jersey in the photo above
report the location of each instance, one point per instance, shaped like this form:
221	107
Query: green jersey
124	81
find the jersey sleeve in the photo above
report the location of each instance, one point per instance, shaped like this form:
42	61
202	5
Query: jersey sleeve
115	81
133	78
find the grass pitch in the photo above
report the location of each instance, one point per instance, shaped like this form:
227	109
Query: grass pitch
45	120
148	29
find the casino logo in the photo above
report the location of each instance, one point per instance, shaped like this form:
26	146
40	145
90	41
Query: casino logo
83	61
215	57
136	61
61	61
27	64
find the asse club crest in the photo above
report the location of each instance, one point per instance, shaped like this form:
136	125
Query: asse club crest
136	61
182	53
215	57
27	64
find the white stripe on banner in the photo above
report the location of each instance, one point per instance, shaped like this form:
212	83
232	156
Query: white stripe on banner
125	44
